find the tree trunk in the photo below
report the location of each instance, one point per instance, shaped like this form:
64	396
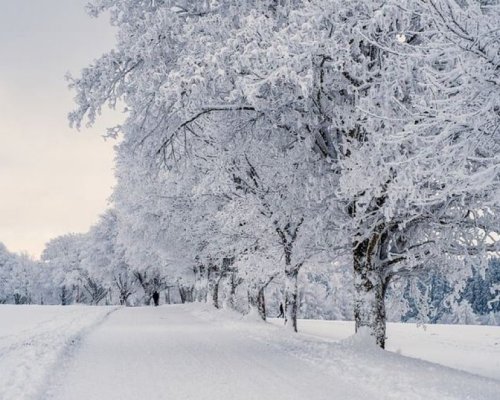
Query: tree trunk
147	298
291	298
288	236
261	303
185	293
124	286
124	295
78	294
63	296
258	301
182	293
369	293
189	294
229	302
201	284
234	282
215	293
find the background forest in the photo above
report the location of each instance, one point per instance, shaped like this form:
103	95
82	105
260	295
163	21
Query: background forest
323	293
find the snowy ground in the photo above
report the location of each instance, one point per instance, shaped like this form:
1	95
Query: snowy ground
194	352
471	348
32	341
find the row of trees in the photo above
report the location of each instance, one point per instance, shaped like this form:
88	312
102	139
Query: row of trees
83	269
269	139
265	136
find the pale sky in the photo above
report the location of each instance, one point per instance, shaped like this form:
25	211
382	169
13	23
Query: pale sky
53	179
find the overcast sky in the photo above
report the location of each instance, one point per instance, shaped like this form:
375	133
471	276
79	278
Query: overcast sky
53	179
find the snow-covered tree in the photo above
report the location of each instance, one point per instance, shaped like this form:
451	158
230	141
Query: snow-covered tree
22	279
104	261
62	259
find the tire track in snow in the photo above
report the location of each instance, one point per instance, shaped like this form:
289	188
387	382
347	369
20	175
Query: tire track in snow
28	358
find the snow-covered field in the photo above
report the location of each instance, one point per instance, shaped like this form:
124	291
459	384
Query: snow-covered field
195	352
471	348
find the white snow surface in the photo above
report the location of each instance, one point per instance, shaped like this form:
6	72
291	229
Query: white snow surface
471	348
196	352
32	341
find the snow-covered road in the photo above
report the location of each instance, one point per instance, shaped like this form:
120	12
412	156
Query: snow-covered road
168	353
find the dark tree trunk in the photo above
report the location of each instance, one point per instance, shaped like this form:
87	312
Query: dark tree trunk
217	274
291	298
369	292
183	293
215	296
288	236
64	296
215	292
257	299
95	290
261	304
78	298
124	286
123	298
